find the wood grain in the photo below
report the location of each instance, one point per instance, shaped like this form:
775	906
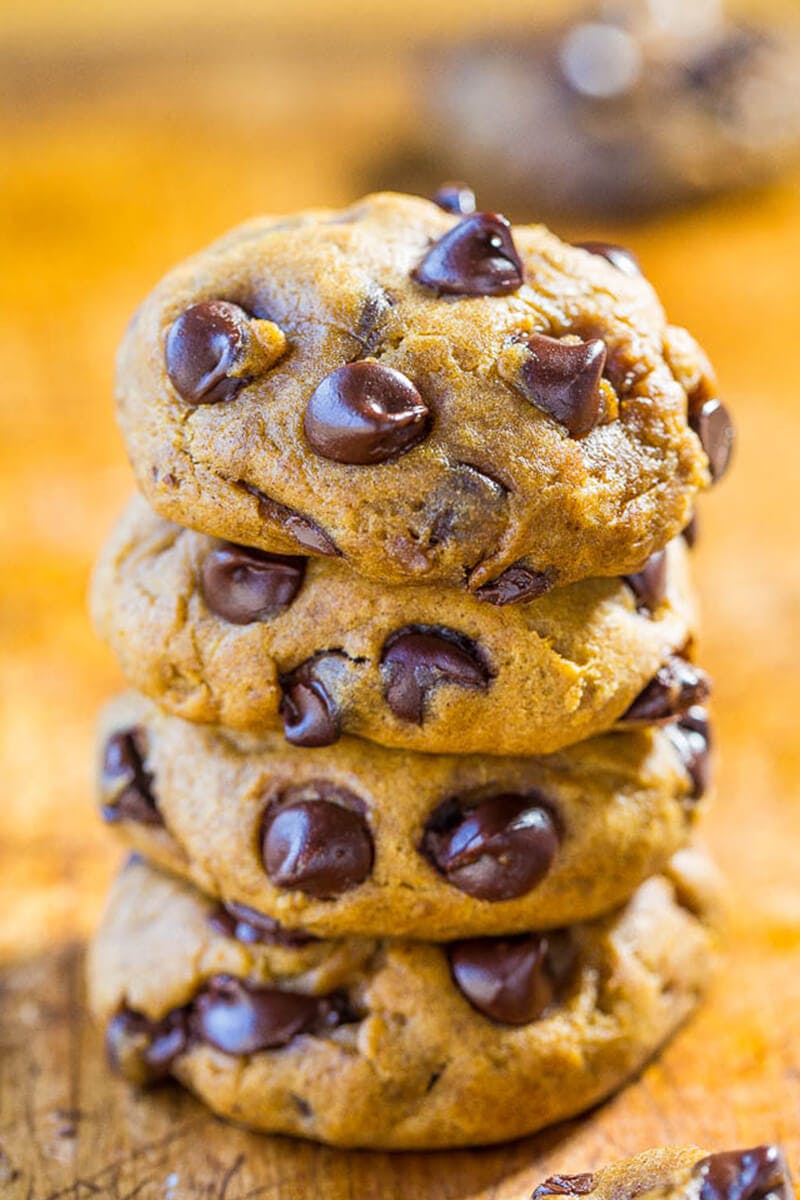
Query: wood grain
117	166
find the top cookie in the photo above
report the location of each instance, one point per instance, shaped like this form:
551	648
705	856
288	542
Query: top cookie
428	395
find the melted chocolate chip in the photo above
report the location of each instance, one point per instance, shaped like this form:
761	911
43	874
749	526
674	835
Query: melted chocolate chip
676	687
649	585
319	846
243	1018
417	660
691	736
497	850
504	978
456	198
243	585
565	1185
143	1051
712	423
298	526
619	256
310	714
126	785
563	380
251	927
517	585
477	257
204	349
364	414
758	1174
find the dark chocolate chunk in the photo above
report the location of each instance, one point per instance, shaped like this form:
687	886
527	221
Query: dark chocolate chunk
319	846
298	526
310	714
517	585
143	1051
251	927
712	423
563	380
691	736
126	785
677	686
691	532
504	978
565	1185
649	585
365	413
619	256
496	850
758	1174
477	257
455	197
204	351
418	659
243	1018
243	585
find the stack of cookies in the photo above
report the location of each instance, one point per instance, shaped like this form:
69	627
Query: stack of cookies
417	741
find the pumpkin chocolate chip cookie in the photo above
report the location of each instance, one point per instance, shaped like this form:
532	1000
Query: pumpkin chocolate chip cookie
428	396
388	1043
359	839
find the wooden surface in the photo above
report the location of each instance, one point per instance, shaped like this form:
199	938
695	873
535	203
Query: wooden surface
117	158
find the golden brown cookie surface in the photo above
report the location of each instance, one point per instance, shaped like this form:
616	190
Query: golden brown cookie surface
428	396
379	1044
220	635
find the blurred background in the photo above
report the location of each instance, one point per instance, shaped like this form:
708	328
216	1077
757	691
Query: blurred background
132	134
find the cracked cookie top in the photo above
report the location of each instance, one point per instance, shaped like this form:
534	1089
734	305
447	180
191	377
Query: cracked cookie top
430	396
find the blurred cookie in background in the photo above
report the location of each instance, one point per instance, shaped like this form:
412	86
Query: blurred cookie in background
622	108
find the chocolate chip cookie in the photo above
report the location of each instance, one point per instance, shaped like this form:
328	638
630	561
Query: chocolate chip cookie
359	839
222	634
382	1044
429	397
682	1173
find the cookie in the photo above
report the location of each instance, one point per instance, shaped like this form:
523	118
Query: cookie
682	1173
618	109
427	396
406	1044
219	634
359	839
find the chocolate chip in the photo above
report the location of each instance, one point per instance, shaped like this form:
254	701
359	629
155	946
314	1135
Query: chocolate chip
364	414
649	585
504	978
565	1185
691	736
454	197
676	687
417	660
243	1018
204	349
243	585
251	927
143	1051
497	850
563	380
712	423
126	785
298	526
758	1174
310	714
517	585
692	531
619	256
319	846
477	257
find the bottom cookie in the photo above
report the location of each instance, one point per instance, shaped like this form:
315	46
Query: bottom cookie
682	1173
393	1044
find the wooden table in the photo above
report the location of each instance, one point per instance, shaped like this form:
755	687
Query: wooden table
117	158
